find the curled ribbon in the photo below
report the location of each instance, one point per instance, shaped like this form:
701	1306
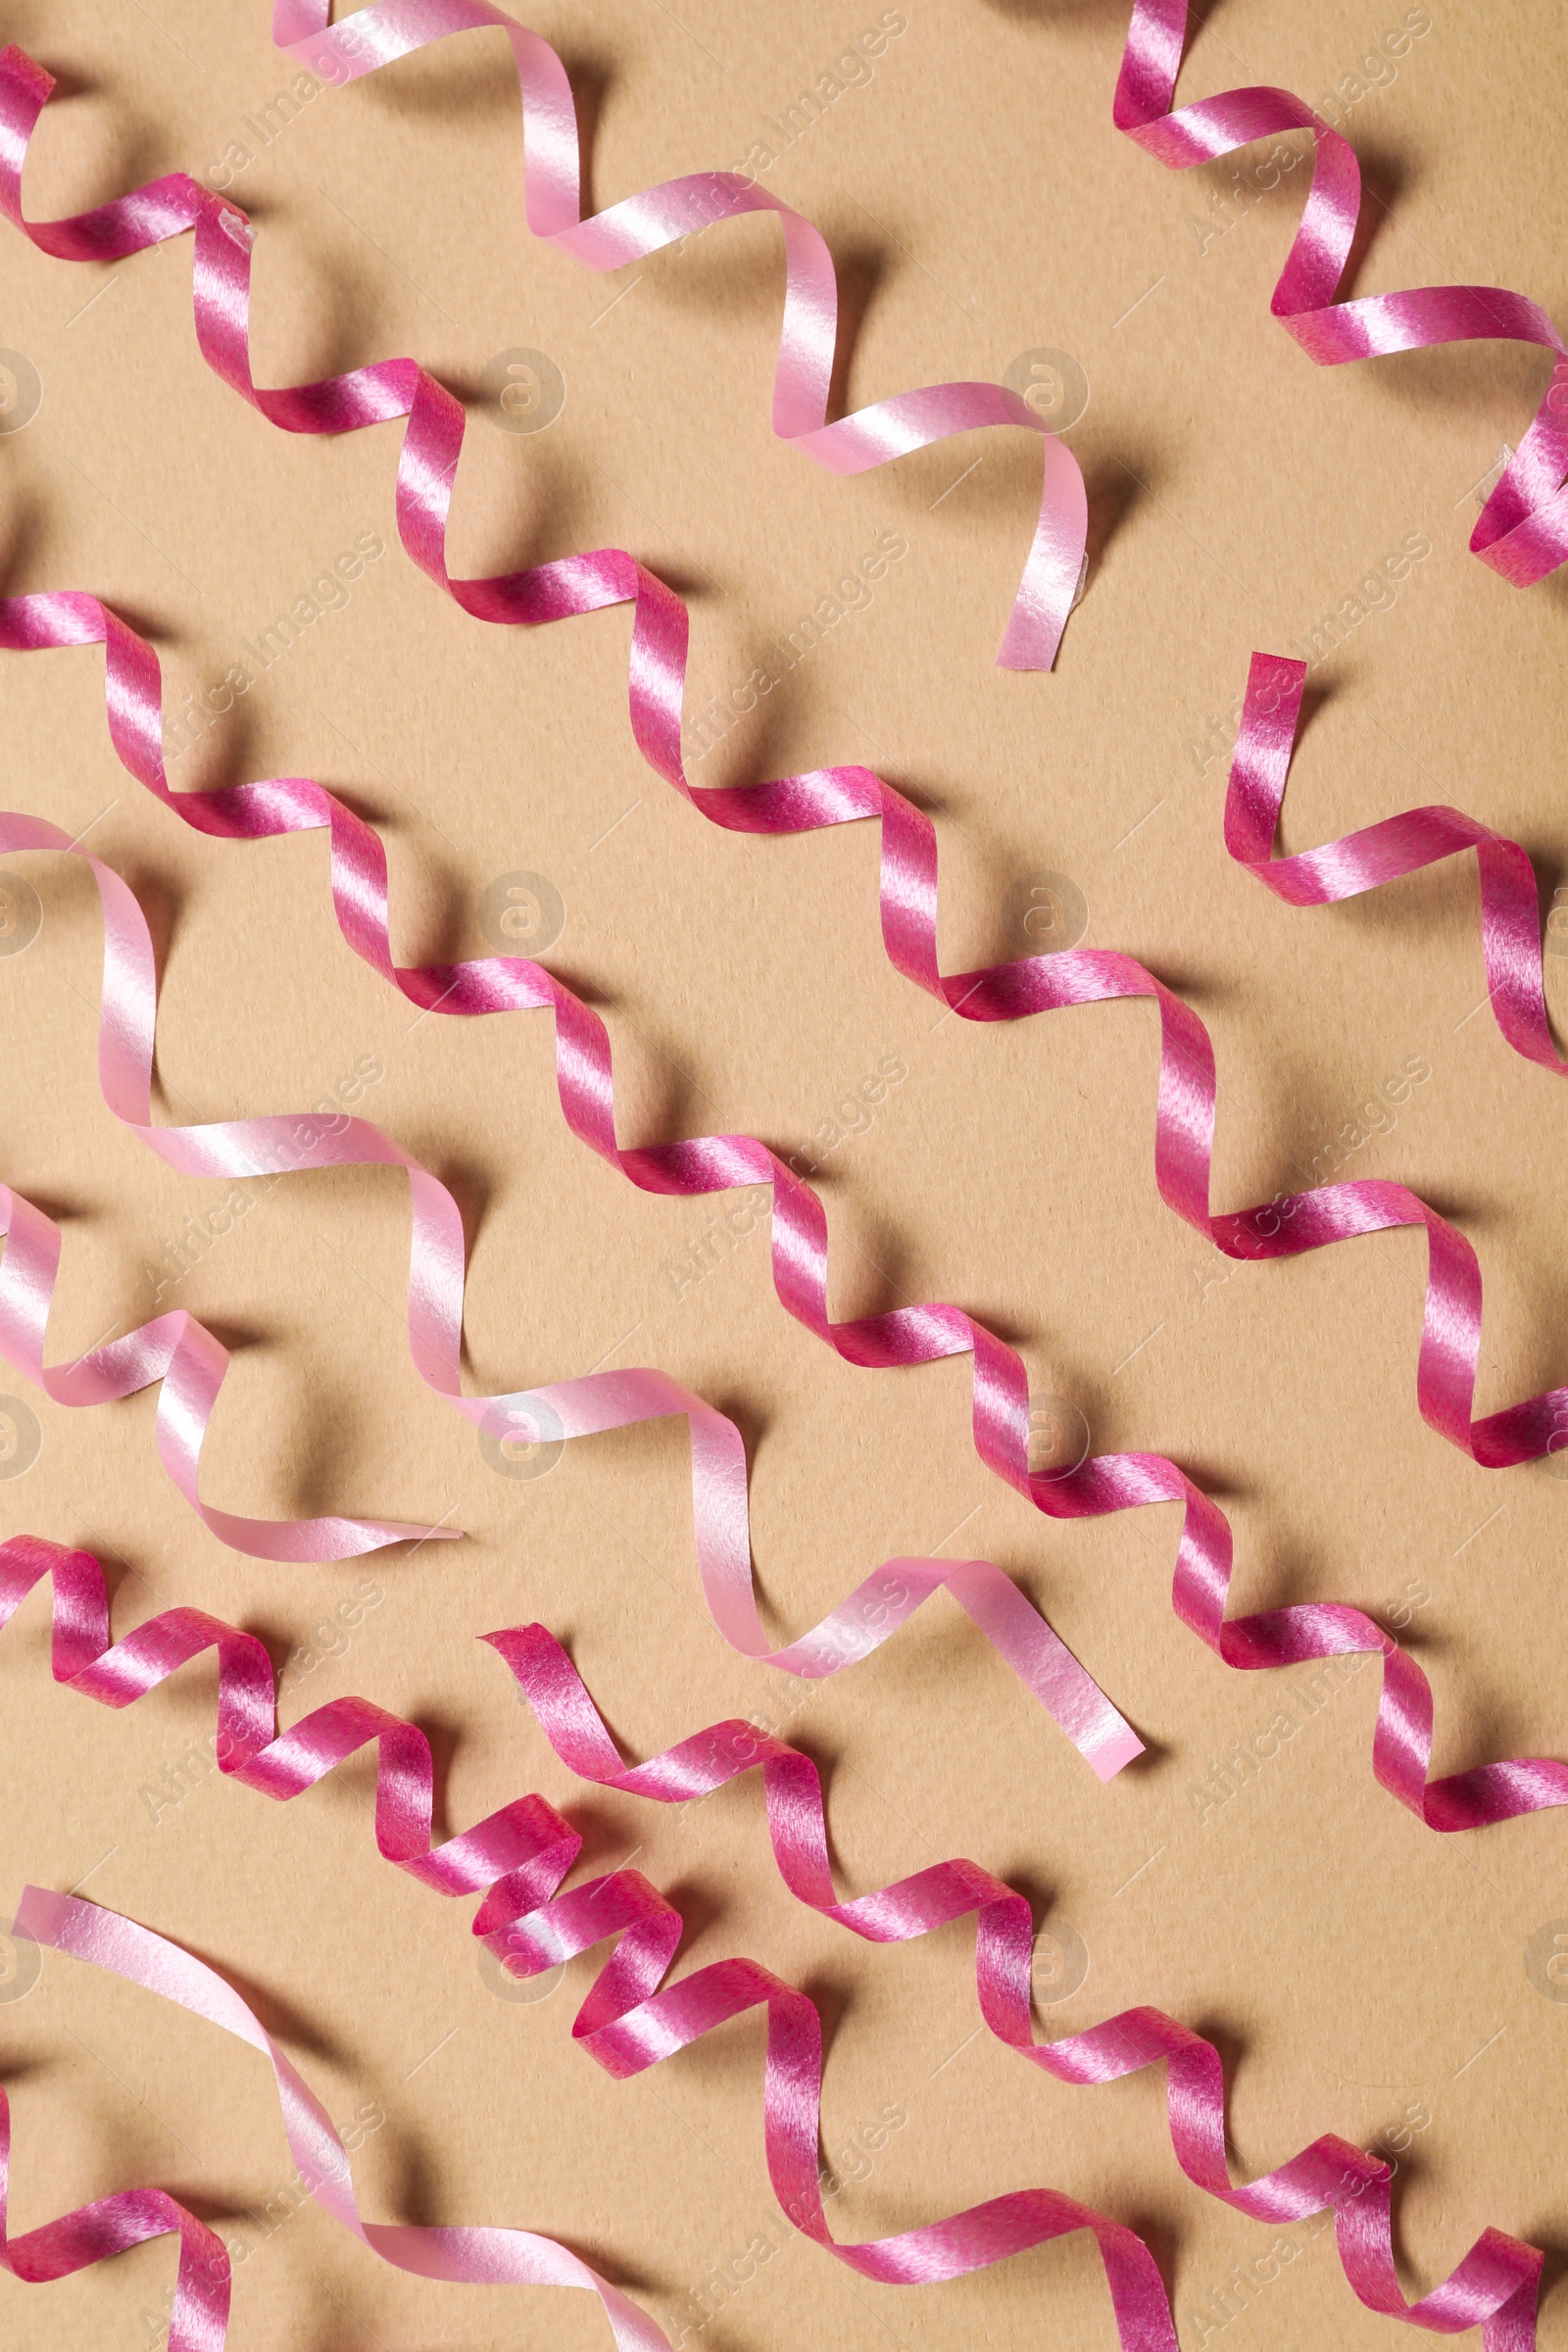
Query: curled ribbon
649	1929
94	2233
821	798
470	2256
1523	529
1183	1138
519	1858
191	1363
174	1349
1510	910
628	231
1495	2285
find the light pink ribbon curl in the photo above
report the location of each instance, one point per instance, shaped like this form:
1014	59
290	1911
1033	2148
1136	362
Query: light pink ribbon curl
1183	1124
174	1349
1523	529
1395	846
519	1857
468	2256
181	1352
641	224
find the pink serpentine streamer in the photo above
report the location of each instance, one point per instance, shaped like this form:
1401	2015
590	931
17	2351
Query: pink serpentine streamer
1183	1125
1523	529
626	232
184	1353
517	1859
174	1349
1510	909
817	799
108	2227
468	2256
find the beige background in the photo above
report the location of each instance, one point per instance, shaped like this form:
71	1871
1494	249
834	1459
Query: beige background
1350	1964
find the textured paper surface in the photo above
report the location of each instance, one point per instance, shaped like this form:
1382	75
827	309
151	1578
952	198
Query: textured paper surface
1359	1973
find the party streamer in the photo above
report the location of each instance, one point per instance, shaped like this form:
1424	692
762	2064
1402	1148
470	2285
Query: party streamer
1184	1130
470	2256
1184	1121
1523	527
628	231
627	1906
191	1362
94	2233
1510	910
518	1858
173	1348
627	2024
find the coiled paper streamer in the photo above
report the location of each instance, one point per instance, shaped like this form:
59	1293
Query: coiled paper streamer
1510	909
1183	1139
95	2232
640	226
518	1857
628	2025
190	1362
173	1348
1523	527
468	2256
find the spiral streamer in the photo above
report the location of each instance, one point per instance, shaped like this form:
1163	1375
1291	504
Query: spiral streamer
468	2256
190	1362
174	1349
1522	532
1397	846
95	2232
628	231
519	1858
1184	1131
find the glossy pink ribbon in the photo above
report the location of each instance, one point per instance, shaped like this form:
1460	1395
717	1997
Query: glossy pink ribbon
1523	529
519	1858
174	1349
626	232
1182	1141
1495	2285
625	1905
95	2232
468	2256
1510	909
190	1362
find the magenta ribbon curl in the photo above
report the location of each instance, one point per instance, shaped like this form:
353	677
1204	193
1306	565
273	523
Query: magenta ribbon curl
181	1352
473	2256
519	1857
627	231
109	2226
1522	532
1395	846
817	799
1184	1130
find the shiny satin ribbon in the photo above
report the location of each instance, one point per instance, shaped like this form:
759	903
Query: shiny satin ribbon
1183	1138
191	1363
518	1858
821	797
468	2256
650	1929
1510	909
628	231
628	2023
1494	2287
174	1349
1523	529
95	2232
